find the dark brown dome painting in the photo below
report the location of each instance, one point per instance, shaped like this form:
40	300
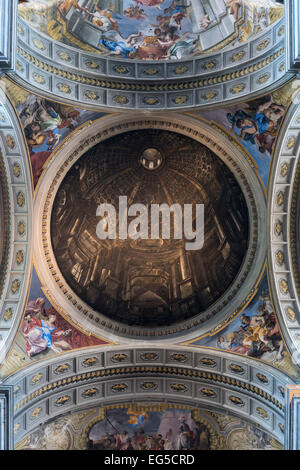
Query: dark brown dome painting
149	282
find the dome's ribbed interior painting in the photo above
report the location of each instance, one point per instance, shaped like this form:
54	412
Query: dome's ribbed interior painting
152	29
153	281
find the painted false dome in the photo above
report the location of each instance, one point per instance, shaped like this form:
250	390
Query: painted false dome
151	29
156	280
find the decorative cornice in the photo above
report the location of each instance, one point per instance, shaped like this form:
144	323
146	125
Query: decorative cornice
6	219
153	371
147	87
76	75
115	375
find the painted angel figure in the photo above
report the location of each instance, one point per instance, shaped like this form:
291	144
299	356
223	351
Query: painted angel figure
41	335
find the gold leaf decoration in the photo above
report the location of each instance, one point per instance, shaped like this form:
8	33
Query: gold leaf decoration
16	170
10	142
36	412
282	67
181	69
119	387
236	400
21	228
20	29
208	392
206	361
20	199
63	400
290	314
263	44
39	79
91	95
64	56
209	95
151	100
281	390
2	117
36	378
238	56
291	143
121	69
238	88
92	65
181	99
16	428
149	386
8	314
62	368
121	99
15	286
91	361
284	288
19	66
237	368
64	88
178	357
210	65
280	198
151	71
278	227
281	30
279	257
149	356
179	387
262	412
39	44
284	170
120	357
20	257
90	392
262	378
263	78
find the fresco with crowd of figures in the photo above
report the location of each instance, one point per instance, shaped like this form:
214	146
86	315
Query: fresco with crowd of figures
151	29
148	427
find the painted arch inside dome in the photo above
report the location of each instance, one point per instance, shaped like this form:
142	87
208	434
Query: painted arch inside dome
151	29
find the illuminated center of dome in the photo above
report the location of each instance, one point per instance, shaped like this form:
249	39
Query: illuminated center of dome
151	159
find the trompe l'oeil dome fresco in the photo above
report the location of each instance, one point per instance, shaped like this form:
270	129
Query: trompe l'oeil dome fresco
155	281
151	29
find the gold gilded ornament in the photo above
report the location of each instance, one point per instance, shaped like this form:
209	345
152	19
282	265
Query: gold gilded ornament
262	412
20	199
121	99
16	170
236	400
15	286
119	387
36	379
284	286
290	314
8	314
10	142
20	257
280	257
